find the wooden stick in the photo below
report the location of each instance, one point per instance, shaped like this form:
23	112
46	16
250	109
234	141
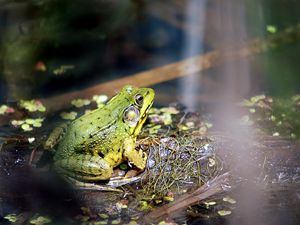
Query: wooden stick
179	69
213	187
147	78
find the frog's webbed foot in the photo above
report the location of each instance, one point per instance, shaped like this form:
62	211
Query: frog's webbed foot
138	158
84	167
80	185
111	185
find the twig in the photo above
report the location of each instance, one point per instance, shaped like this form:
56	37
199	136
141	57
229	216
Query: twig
215	186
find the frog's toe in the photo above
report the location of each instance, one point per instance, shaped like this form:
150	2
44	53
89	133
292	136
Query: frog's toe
143	155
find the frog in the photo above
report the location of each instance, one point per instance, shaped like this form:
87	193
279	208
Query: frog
100	140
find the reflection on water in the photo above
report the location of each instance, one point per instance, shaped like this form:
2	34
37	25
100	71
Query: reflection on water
51	47
193	45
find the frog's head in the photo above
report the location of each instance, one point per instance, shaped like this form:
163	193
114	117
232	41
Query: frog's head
135	104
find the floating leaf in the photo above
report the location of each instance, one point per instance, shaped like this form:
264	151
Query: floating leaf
32	105
224	212
30	121
154	129
103	215
26	127
100	99
167	119
229	199
162	116
80	102
17	122
3	109
257	98
169	110
31	139
144	205
132	222
116	221
166	223
169	198
11	217
101	222
208	204
121	205
273	118
6	109
182	127
253	101
40	220
190	124
35	122
158	201
252	110
63	69
28	124
271	28
68	115
154	111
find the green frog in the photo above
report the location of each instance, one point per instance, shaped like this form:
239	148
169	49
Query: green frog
100	140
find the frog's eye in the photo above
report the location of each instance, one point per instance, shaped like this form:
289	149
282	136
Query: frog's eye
139	99
131	115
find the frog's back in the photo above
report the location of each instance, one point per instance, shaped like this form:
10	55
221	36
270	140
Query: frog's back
89	128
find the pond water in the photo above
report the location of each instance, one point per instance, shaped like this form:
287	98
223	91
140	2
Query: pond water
57	50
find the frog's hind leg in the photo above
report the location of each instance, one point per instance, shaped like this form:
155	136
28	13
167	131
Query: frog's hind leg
84	167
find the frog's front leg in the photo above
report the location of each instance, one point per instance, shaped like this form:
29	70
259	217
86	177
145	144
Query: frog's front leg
84	167
138	158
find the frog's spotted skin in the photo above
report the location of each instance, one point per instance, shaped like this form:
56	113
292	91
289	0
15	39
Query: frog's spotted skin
97	142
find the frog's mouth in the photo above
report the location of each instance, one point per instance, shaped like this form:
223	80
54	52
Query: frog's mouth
146	112
142	120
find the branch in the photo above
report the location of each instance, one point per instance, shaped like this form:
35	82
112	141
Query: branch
215	186
179	69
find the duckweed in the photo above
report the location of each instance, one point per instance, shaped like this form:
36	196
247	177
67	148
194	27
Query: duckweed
28	124
40	220
229	199
80	102
4	109
224	212
100	100
32	105
11	218
68	115
63	69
